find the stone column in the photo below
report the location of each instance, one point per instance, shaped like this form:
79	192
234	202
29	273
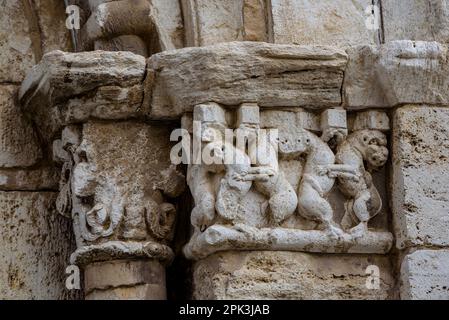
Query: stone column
117	182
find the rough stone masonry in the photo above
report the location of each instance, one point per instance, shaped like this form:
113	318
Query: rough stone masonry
350	201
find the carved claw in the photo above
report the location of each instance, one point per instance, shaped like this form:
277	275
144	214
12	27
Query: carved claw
334	232
359	231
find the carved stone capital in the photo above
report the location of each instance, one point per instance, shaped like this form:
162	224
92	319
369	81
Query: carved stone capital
116	185
297	194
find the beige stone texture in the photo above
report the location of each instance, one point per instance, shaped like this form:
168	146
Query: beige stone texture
237	72
18	35
416	20
36	244
396	73
326	22
52	23
40	178
167	17
125	280
19	146
72	87
210	22
425	275
287	275
255	20
419	193
27	30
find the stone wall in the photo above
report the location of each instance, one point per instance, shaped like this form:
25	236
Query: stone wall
36	242
357	90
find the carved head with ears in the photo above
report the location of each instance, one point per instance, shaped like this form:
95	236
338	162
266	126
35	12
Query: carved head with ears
373	147
213	132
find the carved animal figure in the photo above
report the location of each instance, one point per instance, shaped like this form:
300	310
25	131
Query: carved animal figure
317	181
364	201
201	181
269	180
232	188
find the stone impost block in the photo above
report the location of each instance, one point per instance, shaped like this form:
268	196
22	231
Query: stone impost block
372	120
67	88
238	72
248	113
398	73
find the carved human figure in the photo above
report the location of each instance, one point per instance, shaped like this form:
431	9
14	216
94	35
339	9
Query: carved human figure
364	201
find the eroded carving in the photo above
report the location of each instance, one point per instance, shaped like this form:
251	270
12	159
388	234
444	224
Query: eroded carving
251	204
364	201
113	188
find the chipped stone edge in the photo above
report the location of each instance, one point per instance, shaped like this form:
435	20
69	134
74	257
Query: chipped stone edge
117	250
223	238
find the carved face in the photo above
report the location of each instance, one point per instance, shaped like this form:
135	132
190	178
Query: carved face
293	143
211	134
376	153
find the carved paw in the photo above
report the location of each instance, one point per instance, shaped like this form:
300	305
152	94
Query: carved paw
359	231
334	232
248	230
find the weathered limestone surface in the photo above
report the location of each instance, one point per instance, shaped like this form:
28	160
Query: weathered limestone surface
232	73
167	17
114	184
125	280
27	30
416	20
420	196
209	22
155	26
36	245
19	146
287	275
72	87
41	178
425	275
283	199
17	54
255	20
328	22
61	75
51	17
397	73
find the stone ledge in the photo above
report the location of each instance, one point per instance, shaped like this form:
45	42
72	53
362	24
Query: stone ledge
116	250
222	238
236	72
